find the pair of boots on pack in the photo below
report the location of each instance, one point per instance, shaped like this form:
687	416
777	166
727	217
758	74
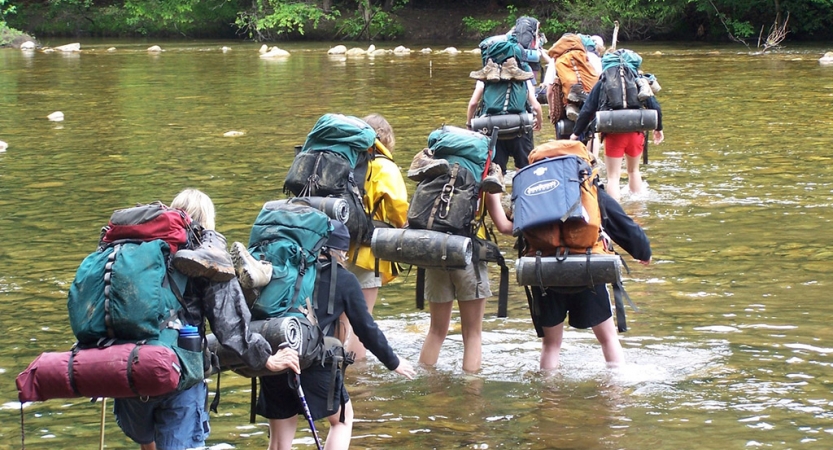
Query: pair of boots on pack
509	70
425	166
211	260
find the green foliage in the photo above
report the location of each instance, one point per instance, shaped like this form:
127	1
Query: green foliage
381	24
268	19
483	27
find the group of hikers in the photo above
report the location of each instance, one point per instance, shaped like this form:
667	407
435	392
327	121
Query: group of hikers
293	307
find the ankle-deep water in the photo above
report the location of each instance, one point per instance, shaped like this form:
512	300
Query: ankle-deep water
731	346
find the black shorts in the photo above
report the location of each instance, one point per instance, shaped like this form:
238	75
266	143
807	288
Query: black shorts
586	308
518	148
277	400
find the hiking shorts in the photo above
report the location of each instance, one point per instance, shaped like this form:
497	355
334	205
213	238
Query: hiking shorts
518	148
367	278
173	421
442	286
617	145
277	400
586	308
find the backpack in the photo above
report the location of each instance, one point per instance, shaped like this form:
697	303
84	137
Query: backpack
571	65
619	88
290	236
504	96
126	290
526	33
556	202
333	163
448	202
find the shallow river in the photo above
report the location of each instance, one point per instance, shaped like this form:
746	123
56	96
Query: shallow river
731	347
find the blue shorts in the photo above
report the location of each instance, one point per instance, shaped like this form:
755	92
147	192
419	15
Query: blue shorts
174	421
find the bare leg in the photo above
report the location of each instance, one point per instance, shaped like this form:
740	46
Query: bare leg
614	174
437	331
354	344
282	432
611	347
471	322
551	346
340	433
634	176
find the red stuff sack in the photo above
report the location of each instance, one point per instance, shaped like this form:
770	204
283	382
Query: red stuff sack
117	371
146	223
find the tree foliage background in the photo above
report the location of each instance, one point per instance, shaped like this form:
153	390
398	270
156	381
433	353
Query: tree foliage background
269	20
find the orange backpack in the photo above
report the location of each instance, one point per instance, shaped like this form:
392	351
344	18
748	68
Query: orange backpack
571	65
572	236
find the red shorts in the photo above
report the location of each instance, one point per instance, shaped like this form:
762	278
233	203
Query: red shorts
617	145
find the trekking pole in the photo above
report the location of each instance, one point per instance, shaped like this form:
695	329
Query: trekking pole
645	148
615	35
101	431
303	398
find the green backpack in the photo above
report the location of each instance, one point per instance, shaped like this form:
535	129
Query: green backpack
290	236
503	97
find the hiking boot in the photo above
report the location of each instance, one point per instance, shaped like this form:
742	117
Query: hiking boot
572	111
577	94
489	72
250	272
509	70
209	260
644	89
493	183
424	166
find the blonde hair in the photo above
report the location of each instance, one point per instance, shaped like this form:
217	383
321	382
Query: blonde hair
198	205
384	132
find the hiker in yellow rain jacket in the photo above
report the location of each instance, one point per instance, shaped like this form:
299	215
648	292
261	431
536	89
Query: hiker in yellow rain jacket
387	197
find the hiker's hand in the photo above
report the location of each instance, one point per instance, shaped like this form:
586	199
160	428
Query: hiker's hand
573	137
536	123
405	369
658	137
284	359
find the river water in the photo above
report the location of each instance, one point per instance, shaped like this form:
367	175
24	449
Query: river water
731	346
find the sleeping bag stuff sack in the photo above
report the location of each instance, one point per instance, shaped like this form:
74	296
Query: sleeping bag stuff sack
117	371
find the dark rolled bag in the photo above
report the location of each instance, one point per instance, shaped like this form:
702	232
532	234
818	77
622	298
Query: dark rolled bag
509	125
564	128
568	271
117	371
422	248
301	335
626	120
335	208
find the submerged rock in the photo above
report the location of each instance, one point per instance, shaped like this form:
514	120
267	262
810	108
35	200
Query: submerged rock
75	47
28	45
827	59
154	49
57	116
3	146
275	52
337	50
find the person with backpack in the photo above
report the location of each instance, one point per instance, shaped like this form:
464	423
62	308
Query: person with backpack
386	200
607	95
323	384
179	420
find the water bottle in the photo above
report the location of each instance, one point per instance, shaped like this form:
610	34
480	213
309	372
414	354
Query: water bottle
189	338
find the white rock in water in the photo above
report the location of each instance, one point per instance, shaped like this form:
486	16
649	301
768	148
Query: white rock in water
475	51
233	133
371	48
226	49
28	45
111	49
426	50
355	51
827	59
275	52
377	52
401	50
337	50
76	47
451	51
57	116
263	49
3	146
154	49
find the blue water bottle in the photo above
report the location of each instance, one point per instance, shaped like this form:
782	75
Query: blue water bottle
189	338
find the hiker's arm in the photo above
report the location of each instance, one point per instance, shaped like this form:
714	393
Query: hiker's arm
474	102
229	317
623	230
587	113
536	107
364	327
652	103
498	215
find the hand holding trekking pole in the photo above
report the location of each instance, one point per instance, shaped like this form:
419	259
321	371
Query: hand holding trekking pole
284	359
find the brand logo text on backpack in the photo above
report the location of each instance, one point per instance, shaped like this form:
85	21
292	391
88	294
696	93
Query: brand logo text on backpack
542	187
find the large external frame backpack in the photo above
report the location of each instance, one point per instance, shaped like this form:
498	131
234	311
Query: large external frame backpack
618	81
559	218
333	163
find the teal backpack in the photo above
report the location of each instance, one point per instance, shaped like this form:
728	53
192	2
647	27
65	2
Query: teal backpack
333	163
504	96
290	236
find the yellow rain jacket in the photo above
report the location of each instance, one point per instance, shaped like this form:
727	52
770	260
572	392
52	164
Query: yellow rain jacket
384	184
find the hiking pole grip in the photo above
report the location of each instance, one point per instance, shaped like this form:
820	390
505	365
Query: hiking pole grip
645	148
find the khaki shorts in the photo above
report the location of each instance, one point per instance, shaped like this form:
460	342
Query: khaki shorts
442	286
367	278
